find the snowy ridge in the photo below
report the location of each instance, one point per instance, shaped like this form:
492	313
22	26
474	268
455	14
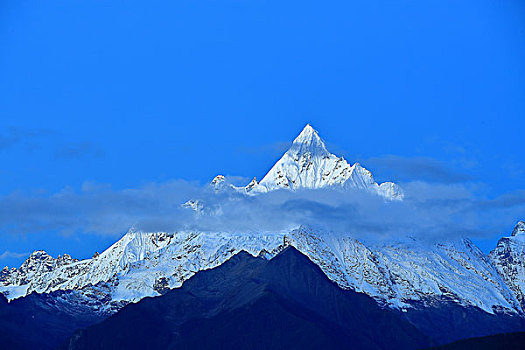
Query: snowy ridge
400	273
146	264
135	263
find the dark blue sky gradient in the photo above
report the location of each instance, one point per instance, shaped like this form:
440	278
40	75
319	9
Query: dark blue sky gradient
131	92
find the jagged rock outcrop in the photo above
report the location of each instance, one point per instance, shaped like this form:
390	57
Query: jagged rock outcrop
509	259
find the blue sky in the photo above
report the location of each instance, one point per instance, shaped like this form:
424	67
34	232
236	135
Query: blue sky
128	93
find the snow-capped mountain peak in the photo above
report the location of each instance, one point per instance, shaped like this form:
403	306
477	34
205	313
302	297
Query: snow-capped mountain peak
519	229
308	164
218	180
252	184
308	141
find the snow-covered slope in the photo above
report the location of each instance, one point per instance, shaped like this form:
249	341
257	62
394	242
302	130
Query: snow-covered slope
146	264
140	264
403	272
308	164
509	259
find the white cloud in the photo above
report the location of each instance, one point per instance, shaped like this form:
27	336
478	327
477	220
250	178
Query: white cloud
12	255
431	211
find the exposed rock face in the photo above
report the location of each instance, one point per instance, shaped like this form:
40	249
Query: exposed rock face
38	263
161	285
509	259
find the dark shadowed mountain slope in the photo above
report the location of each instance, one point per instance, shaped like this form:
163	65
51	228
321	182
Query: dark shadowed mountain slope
506	341
446	321
42	321
248	302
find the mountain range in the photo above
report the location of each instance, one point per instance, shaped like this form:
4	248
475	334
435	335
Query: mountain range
254	303
415	282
